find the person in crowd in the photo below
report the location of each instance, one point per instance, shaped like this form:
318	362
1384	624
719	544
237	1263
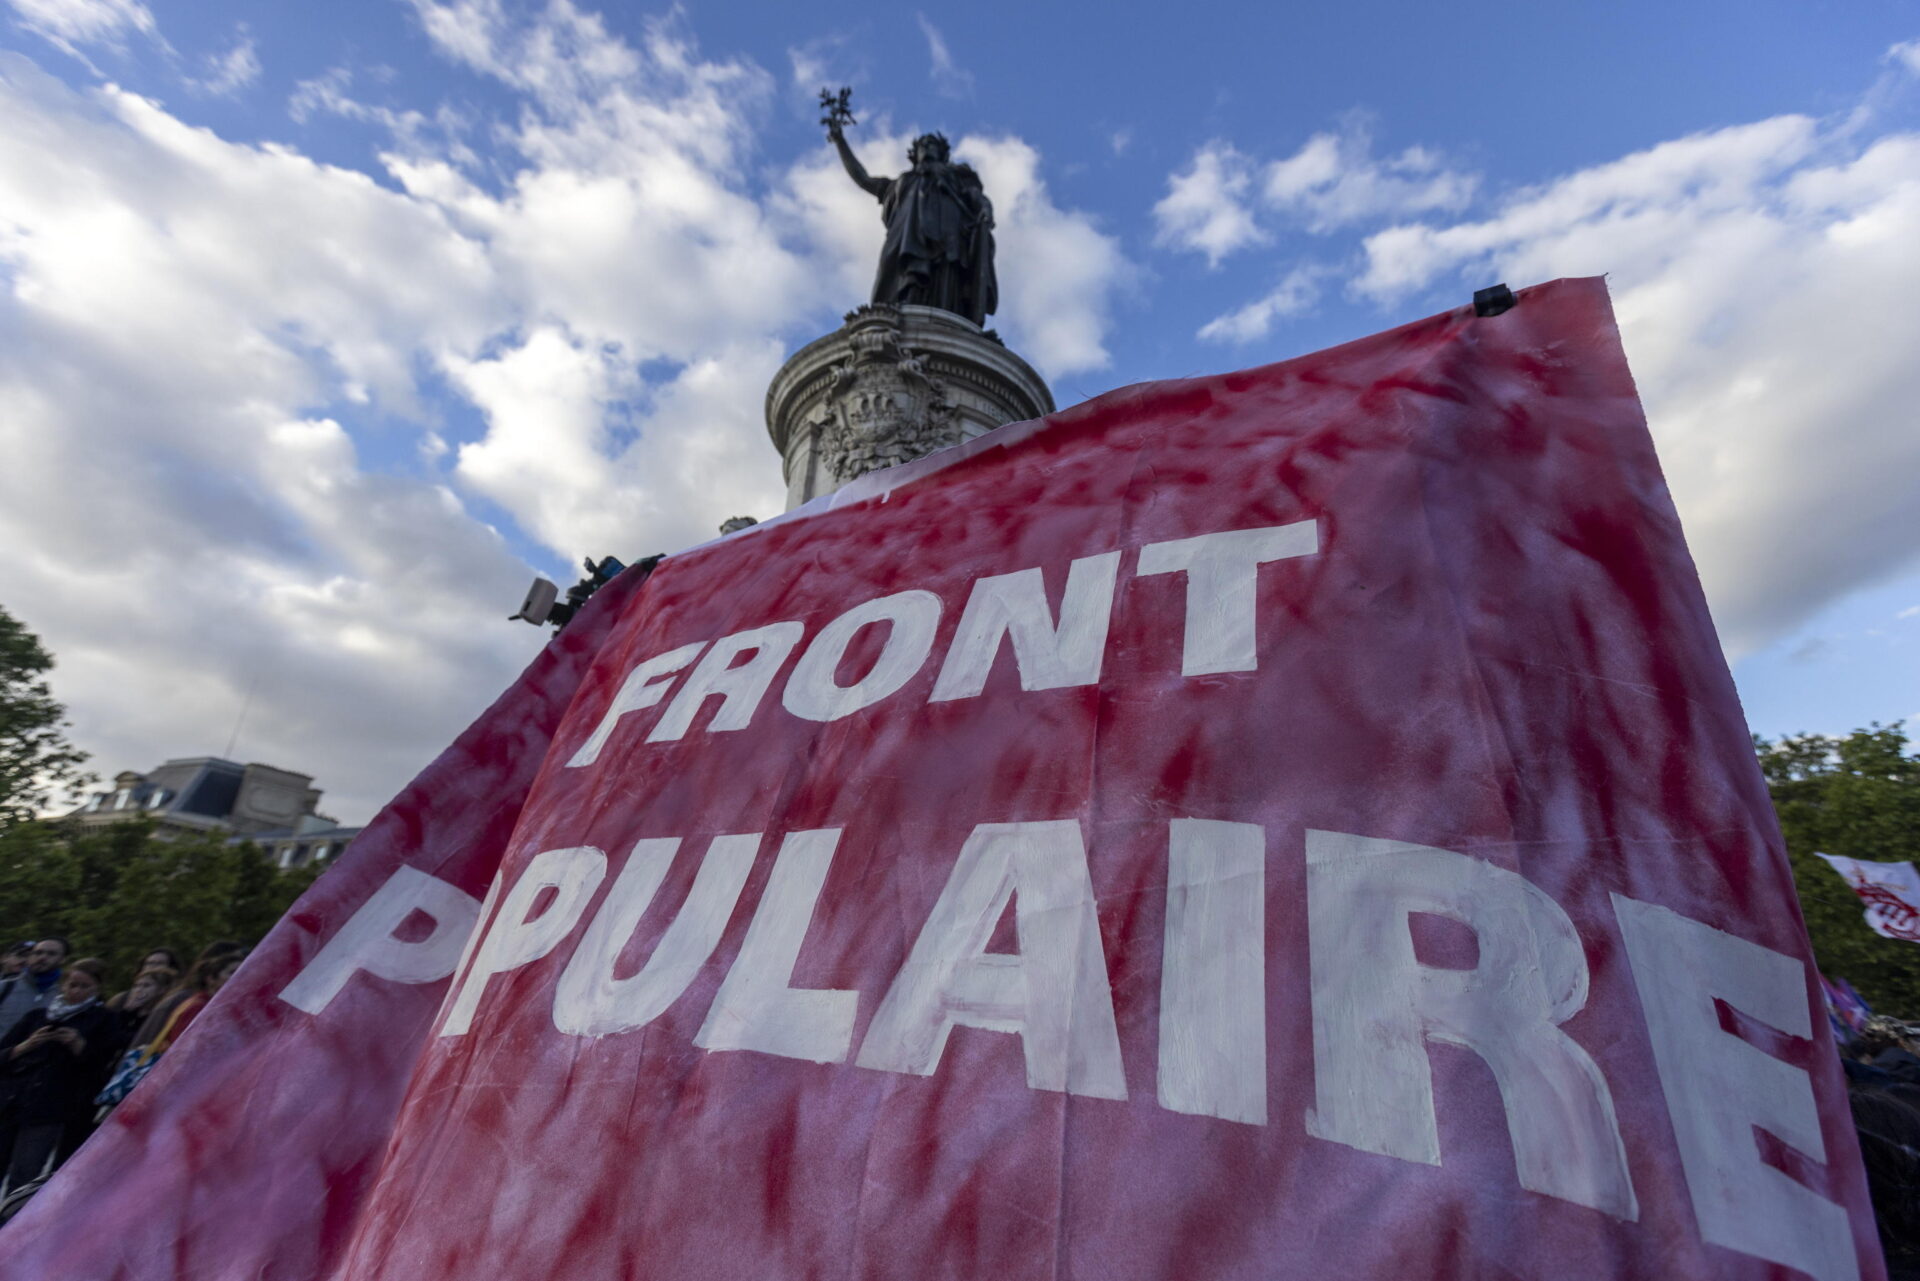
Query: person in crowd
1883	1047
35	986
1889	1130
14	960
52	1063
161	958
138	1001
184	1004
211	958
133	1007
215	980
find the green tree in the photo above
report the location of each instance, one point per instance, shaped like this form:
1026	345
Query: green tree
39	882
36	761
118	892
263	892
1858	796
177	893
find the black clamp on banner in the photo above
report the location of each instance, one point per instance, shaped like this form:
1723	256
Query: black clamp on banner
1493	300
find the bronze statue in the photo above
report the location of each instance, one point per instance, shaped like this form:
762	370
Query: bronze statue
939	246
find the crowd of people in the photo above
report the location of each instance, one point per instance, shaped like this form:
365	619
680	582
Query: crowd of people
69	1052
1883	1087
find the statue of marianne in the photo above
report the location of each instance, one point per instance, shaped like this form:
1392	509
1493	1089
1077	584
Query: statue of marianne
939	246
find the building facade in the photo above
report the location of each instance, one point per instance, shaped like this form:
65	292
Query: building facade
207	796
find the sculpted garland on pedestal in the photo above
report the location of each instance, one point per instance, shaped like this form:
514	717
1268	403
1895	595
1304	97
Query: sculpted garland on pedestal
883	407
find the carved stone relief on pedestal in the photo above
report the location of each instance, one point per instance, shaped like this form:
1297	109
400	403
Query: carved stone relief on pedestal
892	384
882	406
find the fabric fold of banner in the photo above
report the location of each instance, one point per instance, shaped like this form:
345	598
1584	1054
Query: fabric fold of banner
1297	821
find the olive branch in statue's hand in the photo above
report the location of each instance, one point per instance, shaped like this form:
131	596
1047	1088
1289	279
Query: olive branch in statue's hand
836	110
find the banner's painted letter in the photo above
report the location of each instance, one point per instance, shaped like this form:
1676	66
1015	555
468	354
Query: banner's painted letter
1720	1087
1375	1006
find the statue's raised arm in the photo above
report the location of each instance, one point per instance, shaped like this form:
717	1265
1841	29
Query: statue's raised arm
836	114
857	171
939	246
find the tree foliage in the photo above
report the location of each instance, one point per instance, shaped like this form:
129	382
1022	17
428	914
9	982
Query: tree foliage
36	761
118	892
1858	796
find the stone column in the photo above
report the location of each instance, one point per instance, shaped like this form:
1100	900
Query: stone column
893	384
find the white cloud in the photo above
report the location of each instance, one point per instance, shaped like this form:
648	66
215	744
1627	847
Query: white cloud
588	460
629	230
1222	202
1205	209
825	62
1335	180
153	237
1906	54
547	402
950	80
232	71
73	24
326	93
809	68
432	140
174	303
1059	273
1298	290
563	57
1764	276
629	214
1709	174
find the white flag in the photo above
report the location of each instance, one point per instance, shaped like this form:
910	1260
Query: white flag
1891	892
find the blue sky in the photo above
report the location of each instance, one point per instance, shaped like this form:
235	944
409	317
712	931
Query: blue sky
323	327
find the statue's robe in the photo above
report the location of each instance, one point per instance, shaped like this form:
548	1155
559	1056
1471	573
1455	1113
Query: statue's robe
939	247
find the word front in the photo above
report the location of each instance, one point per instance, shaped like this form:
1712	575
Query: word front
1375	1005
1221	571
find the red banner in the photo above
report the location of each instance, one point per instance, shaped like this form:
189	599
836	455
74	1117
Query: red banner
1289	823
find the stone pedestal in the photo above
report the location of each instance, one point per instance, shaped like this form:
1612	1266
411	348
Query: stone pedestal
891	385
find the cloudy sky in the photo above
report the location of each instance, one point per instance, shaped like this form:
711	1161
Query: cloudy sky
324	327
